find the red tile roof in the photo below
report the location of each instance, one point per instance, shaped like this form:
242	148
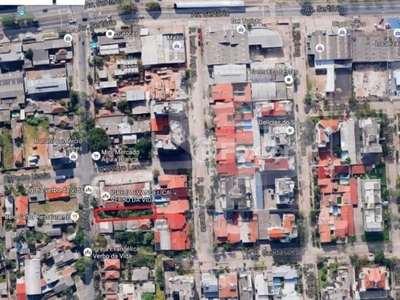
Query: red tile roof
226	232
174	207
225	142
222	92
21	292
333	124
58	191
278	109
226	156
159	124
227	169
358	170
374	278
228	286
325	172
276	233
353	191
112	275
57	109
244	138
275	164
172	181
347	213
112	264
18	158
180	240
21	208
325	233
341	228
175	221
105	113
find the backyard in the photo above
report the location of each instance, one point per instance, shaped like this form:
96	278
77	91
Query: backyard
36	129
53	207
7	151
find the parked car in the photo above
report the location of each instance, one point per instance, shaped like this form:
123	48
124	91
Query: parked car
72	21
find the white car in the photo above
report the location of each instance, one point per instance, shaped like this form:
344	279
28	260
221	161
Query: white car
141	17
72	21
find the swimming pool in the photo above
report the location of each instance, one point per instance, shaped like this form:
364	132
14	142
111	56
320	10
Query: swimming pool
247	123
246	109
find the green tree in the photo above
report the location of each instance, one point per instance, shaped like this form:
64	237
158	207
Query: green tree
80	238
8	21
156	173
143	145
74	100
109	105
160	278
90	124
90	79
101	241
83	265
152	6
379	257
127	7
123	106
148	296
40	222
98	139
10	264
98	61
29	54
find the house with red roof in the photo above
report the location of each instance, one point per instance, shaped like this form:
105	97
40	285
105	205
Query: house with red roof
373	283
21	209
274	108
228	286
335	223
59	191
324	131
286	232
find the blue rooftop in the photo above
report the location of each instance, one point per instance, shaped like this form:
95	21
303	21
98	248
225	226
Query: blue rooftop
394	23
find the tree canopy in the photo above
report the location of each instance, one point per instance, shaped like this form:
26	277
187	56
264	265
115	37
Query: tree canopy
98	139
127	7
153	6
83	265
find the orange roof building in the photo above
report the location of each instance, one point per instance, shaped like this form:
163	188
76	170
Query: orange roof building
228	286
229	92
159	124
21	209
174	207
325	128
20	290
374	278
112	275
286	232
112	264
244	138
58	191
225	232
172	181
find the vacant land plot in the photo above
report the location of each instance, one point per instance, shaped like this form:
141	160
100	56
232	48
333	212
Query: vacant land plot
53	206
370	82
7	151
30	147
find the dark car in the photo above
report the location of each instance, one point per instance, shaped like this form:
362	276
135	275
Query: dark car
45	10
84	19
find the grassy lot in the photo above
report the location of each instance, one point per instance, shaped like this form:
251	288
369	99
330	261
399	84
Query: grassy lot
8	152
72	193
159	293
379	173
53	207
31	133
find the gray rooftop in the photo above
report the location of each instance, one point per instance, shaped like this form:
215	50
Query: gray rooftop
365	48
264	37
135	95
48	44
40	57
335	47
230	74
140	274
46	84
224	45
12	88
10	52
161	50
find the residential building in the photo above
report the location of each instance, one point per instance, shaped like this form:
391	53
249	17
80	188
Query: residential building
180	287
348	140
209	285
263	285
372	205
288	278
12	89
325	129
373	283
286	232
246	290
341	288
284	191
335	222
370	136
228	286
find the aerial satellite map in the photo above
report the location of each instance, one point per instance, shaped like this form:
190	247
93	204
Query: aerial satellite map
193	150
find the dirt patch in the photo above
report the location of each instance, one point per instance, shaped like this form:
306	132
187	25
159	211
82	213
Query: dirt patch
53	206
7	149
370	82
31	148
